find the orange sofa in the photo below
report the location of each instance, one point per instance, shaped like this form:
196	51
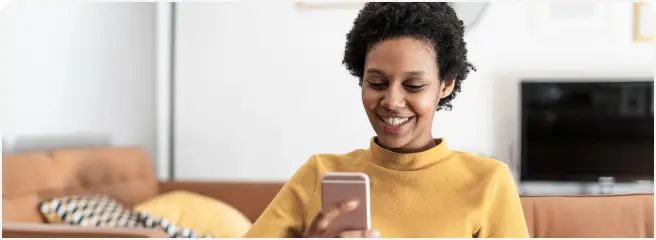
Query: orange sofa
126	174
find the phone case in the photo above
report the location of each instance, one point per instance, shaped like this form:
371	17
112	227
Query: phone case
344	186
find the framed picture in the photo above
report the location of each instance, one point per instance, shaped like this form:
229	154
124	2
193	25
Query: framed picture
581	21
469	12
330	4
644	22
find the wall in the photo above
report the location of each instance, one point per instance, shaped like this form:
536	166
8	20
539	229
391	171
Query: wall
259	88
260	85
78	68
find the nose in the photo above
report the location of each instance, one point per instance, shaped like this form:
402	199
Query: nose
393	99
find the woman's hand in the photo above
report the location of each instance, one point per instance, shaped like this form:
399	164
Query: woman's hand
325	217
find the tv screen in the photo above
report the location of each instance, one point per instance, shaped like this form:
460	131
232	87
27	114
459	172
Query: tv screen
582	131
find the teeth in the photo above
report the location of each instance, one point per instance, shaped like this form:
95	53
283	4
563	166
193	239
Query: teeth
395	121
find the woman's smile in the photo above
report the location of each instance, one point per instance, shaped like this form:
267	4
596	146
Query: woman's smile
395	125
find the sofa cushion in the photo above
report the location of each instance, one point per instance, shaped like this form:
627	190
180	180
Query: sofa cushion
95	211
124	173
104	211
27	179
590	216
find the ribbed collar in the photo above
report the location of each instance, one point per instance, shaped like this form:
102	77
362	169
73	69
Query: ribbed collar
407	161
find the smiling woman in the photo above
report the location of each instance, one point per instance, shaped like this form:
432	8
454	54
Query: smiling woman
400	92
410	60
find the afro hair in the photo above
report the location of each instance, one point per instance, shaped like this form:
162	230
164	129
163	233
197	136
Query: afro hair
435	23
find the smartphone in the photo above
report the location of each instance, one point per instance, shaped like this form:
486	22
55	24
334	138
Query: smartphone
338	187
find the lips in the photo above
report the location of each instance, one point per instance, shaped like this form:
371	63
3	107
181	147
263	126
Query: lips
394	121
395	124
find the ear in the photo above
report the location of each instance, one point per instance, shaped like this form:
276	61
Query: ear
447	88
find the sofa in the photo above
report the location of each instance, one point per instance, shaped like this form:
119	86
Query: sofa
126	174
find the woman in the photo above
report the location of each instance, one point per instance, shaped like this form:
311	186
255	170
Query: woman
410	59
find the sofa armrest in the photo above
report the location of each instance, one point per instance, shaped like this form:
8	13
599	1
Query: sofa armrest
250	198
42	230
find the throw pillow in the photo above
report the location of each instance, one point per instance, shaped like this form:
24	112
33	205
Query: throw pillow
103	211
207	216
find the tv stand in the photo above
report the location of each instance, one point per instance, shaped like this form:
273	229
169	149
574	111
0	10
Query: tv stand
606	185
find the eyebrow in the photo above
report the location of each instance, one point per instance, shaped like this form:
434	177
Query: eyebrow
415	73
410	73
375	71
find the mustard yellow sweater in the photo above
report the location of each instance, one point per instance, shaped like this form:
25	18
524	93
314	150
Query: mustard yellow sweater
435	193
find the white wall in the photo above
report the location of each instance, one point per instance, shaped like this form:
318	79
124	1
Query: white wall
259	88
78	67
260	85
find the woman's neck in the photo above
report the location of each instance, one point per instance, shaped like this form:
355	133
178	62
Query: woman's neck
408	158
414	146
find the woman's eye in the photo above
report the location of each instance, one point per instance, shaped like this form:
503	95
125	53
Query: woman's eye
414	87
376	85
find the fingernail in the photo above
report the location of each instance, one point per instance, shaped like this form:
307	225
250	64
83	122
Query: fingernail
352	204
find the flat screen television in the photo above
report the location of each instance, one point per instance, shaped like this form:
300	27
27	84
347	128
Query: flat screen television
580	131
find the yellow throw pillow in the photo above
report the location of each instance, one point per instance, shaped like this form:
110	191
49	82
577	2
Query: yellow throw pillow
205	215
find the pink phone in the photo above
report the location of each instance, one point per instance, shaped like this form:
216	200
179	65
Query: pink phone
338	187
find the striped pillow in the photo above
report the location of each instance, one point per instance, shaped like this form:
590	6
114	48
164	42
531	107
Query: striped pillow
104	211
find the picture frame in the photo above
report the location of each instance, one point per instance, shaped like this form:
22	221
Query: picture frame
581	21
330	4
644	20
470	12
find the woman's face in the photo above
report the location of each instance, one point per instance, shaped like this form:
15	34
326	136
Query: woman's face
400	92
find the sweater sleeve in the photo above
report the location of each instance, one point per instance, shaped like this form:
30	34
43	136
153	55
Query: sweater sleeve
504	216
284	217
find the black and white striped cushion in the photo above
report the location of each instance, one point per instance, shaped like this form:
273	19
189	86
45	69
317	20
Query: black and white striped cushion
103	211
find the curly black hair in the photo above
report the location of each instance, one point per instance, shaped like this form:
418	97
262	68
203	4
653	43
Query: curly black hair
435	23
